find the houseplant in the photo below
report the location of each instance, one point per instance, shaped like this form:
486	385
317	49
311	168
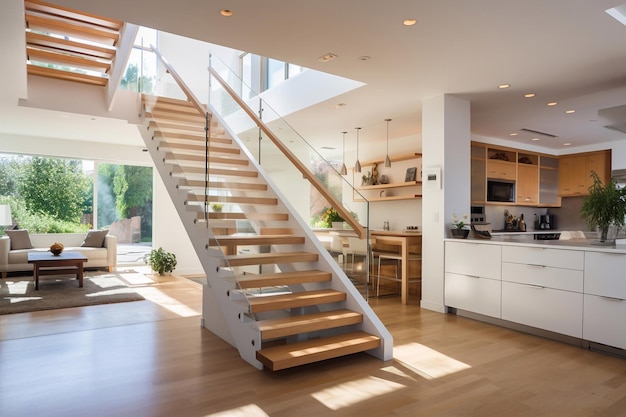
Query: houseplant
217	207
604	209
458	226
161	261
330	216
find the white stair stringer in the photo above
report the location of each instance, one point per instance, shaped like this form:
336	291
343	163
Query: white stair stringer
228	316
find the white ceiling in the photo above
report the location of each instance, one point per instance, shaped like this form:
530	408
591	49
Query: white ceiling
568	51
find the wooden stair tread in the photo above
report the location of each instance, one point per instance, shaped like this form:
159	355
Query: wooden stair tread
283	278
255	186
253	240
271	258
269	201
191	170
315	350
198	148
177	157
287	326
293	300
244	216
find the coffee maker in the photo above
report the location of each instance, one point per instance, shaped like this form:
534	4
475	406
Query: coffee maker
546	222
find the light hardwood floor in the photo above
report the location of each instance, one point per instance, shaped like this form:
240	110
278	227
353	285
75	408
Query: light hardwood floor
152	358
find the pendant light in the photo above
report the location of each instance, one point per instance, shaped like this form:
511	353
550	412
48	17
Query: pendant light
357	165
387	160
344	170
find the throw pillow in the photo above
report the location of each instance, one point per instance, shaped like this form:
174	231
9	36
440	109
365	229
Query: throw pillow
19	239
94	238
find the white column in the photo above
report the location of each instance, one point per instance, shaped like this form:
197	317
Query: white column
446	153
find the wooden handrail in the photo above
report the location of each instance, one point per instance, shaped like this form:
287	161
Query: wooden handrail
345	214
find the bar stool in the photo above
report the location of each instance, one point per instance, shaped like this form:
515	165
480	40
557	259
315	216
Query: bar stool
394	257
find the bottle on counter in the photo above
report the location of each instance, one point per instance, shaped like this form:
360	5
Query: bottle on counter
522	224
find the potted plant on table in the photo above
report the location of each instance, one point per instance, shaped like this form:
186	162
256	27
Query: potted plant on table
458	226
604	209
332	219
161	261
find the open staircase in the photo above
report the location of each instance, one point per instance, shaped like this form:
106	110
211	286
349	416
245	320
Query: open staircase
273	291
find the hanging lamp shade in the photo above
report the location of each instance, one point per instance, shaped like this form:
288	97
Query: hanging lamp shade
344	170
357	165
387	160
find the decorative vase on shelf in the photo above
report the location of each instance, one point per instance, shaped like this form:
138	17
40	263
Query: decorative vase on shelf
460	233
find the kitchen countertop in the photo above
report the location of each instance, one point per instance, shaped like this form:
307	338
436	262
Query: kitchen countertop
572	244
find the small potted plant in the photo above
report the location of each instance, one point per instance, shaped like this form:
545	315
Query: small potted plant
217	207
458	230
604	209
332	219
161	261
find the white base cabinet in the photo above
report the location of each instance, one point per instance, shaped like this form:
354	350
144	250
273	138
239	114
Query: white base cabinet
473	293
544	308
605	299
604	321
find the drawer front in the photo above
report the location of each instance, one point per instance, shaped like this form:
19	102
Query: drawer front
544	308
544	276
604	274
478	295
556	258
604	321
474	259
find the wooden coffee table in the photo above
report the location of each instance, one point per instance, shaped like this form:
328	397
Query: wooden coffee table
45	263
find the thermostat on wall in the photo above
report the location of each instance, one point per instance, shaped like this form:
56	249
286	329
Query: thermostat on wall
432	177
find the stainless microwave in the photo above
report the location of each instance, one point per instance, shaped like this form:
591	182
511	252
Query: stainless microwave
501	191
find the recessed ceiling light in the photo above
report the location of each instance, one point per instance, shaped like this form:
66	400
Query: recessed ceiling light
535	139
503	86
570	111
328	57
552	103
512	134
529	95
365	58
409	22
226	12
339	105
567	144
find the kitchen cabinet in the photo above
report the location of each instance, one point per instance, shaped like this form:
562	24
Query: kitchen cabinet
527	188
543	288
469	285
575	172
536	176
501	170
549	182
605	299
478	193
397	188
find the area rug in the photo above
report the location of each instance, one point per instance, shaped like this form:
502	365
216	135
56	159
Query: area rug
18	295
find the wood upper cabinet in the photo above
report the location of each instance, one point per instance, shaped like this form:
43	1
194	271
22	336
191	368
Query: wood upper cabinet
575	172
527	184
501	170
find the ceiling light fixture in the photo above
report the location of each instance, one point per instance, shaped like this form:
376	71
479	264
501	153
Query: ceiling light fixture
535	139
226	12
387	160
339	105
567	144
328	57
409	22
357	165
365	58
503	86
552	103
344	170
570	111
529	95
512	134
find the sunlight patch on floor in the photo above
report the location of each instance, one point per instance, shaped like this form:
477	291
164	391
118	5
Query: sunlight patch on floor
159	297
251	410
135	278
427	362
398	372
353	392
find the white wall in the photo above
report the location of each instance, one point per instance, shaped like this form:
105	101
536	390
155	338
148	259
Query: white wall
446	150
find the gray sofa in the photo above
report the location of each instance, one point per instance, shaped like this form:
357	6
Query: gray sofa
98	257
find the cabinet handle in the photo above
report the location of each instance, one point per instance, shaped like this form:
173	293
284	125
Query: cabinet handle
611	298
539	287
